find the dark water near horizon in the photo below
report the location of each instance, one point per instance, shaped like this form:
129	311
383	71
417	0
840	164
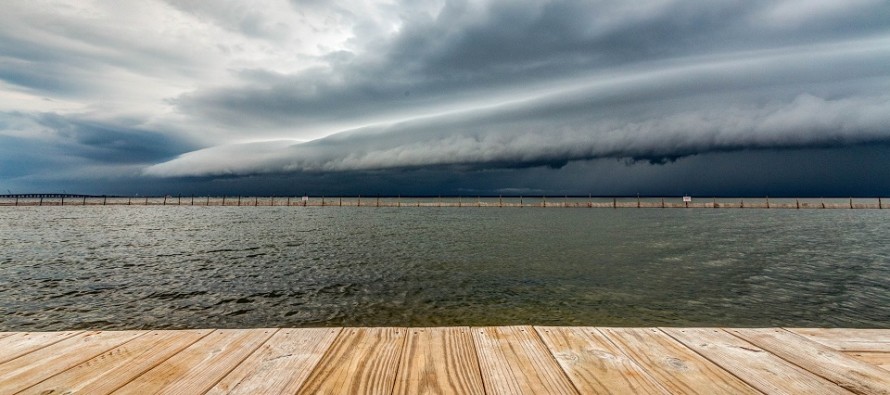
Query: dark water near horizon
187	267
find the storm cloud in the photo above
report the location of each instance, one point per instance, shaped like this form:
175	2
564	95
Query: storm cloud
188	90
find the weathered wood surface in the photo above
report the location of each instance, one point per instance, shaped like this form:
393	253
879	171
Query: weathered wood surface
439	361
870	340
452	360
116	367
675	366
762	370
595	364
845	371
513	360
360	361
879	359
295	351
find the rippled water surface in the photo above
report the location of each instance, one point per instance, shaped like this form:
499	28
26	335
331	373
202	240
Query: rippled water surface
184	267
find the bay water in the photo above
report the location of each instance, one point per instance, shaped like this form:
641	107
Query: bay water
131	267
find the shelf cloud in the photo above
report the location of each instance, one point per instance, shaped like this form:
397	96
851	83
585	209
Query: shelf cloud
165	91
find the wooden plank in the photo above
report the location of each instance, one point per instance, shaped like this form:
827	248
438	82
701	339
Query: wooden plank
513	360
21	343
760	369
281	365
844	339
360	361
439	361
848	372
879	359
198	367
46	362
118	366
676	367
594	364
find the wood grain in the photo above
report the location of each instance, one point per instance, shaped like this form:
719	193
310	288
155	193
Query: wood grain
675	366
439	361
360	361
114	368
459	360
281	365
39	365
879	359
873	340
513	360
845	371
199	366
21	343
762	370
594	364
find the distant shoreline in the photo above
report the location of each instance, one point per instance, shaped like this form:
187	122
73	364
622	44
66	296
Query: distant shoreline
450	201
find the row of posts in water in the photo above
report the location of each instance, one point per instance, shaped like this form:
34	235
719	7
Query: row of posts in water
60	200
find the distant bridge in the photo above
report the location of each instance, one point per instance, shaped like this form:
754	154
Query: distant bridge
46	196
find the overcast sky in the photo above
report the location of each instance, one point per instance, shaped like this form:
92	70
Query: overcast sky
660	97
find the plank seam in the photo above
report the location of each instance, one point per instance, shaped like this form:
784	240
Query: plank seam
160	362
340	333
399	362
43	346
321	358
792	362
485	385
816	339
259	346
715	363
87	359
553	358
630	358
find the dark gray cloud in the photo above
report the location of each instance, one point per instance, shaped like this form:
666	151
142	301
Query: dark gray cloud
57	147
474	50
109	142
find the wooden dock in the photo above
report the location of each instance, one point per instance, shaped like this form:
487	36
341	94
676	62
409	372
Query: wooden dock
451	360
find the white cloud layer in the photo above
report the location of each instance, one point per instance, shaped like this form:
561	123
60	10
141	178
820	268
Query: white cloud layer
197	88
